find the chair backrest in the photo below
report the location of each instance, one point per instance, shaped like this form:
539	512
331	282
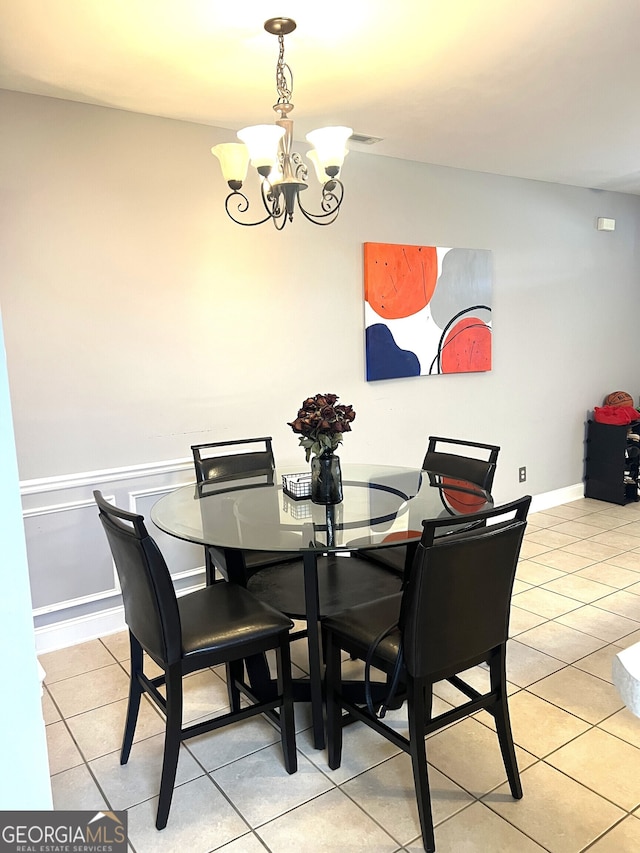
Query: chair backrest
455	606
473	468
150	605
219	460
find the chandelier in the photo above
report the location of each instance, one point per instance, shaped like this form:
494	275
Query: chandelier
283	171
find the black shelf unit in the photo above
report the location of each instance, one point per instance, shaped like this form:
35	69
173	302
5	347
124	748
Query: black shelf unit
607	475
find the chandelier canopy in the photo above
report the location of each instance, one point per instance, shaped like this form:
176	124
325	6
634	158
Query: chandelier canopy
283	171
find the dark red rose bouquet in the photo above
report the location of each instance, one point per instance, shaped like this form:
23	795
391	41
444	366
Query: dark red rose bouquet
321	423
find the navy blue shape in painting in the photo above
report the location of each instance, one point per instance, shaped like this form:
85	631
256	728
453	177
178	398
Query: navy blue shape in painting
385	359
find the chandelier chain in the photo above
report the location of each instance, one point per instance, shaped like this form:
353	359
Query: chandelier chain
284	76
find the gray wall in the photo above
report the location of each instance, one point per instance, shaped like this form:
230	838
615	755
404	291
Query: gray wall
140	320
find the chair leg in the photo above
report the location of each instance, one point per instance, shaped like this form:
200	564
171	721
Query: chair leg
259	676
497	669
287	719
135	692
418	712
172	738
234	670
333	682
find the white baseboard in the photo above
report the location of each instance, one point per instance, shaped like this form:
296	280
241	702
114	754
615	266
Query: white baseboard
557	497
83	628
80	629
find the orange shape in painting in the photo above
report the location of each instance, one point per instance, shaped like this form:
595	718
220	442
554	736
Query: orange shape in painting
467	347
460	498
399	280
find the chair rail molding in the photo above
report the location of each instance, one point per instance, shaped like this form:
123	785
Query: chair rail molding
89	478
74	587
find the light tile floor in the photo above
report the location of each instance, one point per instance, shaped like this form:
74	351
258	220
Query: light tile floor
575	605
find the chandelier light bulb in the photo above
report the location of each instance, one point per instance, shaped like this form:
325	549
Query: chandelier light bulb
320	168
234	162
262	141
329	145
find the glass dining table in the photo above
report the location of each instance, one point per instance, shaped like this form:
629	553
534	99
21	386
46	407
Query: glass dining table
383	506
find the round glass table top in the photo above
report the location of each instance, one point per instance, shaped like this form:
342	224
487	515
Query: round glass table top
382	506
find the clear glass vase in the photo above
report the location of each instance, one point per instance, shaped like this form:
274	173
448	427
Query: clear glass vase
326	479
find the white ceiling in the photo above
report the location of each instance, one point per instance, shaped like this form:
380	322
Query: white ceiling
545	89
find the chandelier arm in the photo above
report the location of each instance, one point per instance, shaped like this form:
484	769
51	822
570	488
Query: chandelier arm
242	207
280	222
331	202
332	195
271	202
317	218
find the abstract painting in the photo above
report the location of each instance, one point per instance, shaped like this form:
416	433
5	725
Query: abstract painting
427	310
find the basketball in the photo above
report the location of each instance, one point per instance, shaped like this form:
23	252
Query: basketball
459	496
618	398
402	535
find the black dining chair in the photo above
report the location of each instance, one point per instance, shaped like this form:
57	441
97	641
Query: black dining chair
477	466
250	460
277	577
219	624
453	614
